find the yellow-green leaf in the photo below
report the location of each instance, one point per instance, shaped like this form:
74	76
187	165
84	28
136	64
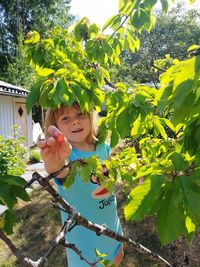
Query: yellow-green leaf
44	72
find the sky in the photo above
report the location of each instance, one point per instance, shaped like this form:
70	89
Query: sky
98	11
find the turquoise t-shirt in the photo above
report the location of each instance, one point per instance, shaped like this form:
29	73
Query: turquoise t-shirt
97	205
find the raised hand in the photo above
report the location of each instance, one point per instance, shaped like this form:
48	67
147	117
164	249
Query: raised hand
54	150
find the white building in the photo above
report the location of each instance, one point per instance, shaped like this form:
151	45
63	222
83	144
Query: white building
13	112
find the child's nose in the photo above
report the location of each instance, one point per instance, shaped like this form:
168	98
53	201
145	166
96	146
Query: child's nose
75	121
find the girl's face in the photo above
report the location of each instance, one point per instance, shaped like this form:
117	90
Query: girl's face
75	125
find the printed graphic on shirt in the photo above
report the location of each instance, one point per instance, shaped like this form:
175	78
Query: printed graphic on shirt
106	202
100	191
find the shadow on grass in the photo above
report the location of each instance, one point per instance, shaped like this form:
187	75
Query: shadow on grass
37	224
145	233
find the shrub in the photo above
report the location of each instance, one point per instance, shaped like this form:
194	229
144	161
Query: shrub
13	156
34	157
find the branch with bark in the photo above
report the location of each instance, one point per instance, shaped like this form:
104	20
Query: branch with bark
74	218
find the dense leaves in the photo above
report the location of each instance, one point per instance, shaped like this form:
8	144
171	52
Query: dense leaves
72	66
13	158
168	40
17	19
161	177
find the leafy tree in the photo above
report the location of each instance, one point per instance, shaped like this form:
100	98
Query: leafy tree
72	65
173	33
13	161
18	18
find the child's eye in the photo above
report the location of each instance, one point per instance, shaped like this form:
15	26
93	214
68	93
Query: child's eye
82	115
65	118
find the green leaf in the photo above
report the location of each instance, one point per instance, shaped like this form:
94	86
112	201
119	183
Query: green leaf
141	197
191	228
94	163
168	123
21	193
137	127
139	18
78	32
139	100
69	180
182	92
183	112
85	173
44	72
163	97
32	37
179	163
171	218
110	21
34	95
9	222
12	180
114	138
123	123
193	47
98	98
191	195
158	127
6	195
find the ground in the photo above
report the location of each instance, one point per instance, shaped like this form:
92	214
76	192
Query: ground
38	222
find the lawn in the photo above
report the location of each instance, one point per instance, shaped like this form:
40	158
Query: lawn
38	223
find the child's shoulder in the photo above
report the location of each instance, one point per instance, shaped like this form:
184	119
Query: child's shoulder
103	148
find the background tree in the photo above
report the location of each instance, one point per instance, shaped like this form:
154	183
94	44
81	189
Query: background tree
173	33
19	17
72	65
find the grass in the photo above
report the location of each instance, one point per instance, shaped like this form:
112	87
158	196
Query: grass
34	156
38	223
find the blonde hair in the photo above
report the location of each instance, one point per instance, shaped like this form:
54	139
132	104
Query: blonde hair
53	116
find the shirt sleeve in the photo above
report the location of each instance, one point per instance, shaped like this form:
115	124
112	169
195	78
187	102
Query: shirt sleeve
107	149
58	181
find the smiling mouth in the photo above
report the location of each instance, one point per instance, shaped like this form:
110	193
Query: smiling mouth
77	131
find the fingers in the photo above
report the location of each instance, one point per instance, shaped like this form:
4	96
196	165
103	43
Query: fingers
51	141
42	144
56	133
66	146
56	142
47	143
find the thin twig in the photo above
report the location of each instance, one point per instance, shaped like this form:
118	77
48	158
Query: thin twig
57	241
79	253
100	230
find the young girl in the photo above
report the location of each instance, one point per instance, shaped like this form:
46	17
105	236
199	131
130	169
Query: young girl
71	136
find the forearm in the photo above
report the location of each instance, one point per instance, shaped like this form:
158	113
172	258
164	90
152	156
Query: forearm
51	168
63	174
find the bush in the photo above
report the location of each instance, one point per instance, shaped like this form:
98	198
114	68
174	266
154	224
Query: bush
13	156
34	157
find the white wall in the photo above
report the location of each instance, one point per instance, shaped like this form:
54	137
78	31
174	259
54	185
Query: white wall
6	116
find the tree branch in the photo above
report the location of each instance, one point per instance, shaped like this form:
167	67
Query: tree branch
79	253
23	260
74	219
100	230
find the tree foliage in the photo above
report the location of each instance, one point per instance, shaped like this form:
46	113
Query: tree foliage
17	19
72	65
13	159
172	34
